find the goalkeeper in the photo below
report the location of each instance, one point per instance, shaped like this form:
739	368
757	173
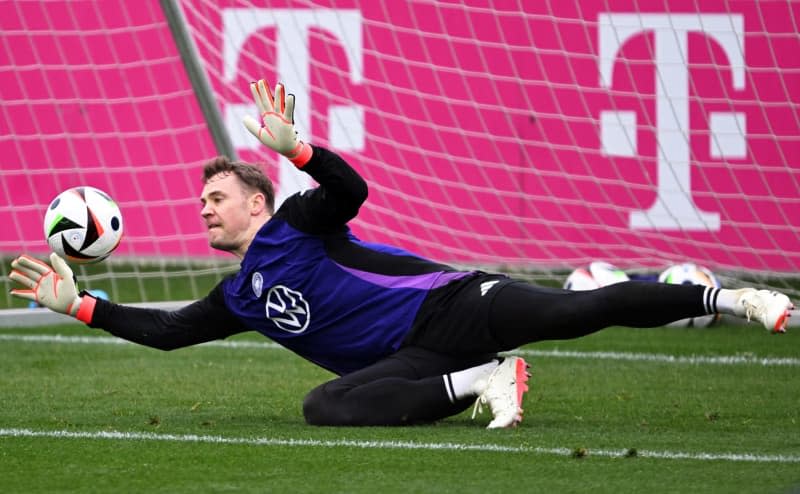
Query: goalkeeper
411	340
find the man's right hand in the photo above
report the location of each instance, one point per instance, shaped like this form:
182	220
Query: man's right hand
50	286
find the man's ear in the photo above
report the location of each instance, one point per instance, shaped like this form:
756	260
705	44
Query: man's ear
258	204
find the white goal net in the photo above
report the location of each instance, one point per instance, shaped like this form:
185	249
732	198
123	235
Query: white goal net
516	135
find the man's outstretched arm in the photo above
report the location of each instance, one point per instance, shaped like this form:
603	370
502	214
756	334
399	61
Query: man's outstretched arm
342	190
205	320
53	286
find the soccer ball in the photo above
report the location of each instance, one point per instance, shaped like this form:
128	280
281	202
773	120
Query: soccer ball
596	275
691	274
83	225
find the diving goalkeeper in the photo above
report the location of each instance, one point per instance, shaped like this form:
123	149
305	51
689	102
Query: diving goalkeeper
411	340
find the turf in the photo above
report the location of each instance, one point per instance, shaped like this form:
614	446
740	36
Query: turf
593	422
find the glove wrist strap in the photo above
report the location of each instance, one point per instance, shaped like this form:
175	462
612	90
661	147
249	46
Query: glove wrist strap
86	310
301	154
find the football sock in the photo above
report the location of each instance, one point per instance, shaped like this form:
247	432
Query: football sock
468	382
725	300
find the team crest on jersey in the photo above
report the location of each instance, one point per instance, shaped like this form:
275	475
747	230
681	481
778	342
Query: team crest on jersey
258	284
287	309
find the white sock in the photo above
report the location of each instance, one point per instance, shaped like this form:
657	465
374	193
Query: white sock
468	382
720	300
725	301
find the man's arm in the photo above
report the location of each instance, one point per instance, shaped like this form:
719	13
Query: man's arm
204	320
341	192
330	206
53	286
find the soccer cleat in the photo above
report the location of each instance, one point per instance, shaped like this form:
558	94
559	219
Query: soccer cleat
503	393
768	307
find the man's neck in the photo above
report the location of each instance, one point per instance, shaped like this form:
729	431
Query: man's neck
240	252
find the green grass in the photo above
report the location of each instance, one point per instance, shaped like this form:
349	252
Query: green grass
592	405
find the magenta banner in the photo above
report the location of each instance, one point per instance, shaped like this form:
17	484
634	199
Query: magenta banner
565	132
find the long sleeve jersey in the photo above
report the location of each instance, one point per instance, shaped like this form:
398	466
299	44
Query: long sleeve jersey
305	282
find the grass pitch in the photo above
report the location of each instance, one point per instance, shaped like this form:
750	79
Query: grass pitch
661	410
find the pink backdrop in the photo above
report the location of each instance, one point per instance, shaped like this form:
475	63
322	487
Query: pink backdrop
481	127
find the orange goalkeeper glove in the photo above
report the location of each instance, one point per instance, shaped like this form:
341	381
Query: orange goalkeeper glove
276	129
53	287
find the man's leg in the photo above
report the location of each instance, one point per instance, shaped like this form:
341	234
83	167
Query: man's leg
521	313
407	387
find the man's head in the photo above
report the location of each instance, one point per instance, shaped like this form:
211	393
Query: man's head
237	200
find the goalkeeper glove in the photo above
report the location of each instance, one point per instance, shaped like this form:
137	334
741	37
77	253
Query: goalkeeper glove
53	287
276	129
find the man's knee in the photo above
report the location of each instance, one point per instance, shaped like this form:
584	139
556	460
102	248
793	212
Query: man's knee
314	407
321	408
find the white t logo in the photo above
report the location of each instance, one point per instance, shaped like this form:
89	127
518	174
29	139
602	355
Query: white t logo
673	208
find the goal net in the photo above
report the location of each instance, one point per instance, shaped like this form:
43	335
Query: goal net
531	137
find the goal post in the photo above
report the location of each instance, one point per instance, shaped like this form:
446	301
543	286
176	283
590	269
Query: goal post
194	71
529	137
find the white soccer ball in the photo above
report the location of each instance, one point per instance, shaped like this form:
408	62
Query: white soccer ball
597	274
83	225
691	274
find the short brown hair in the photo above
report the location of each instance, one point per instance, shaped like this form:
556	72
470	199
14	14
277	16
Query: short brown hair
251	176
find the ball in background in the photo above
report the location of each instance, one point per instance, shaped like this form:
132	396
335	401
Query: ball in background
691	274
595	275
83	225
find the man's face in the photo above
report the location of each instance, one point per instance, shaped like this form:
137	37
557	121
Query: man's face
226	213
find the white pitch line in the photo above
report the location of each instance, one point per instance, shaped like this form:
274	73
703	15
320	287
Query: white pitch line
624	356
402	445
667	359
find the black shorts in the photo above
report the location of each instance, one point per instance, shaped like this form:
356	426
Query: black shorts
454	319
